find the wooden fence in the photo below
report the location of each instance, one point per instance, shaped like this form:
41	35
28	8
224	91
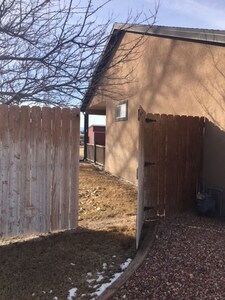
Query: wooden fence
170	164
172	149
39	164
96	153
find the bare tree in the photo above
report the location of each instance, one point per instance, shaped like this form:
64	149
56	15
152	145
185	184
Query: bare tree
49	50
109	77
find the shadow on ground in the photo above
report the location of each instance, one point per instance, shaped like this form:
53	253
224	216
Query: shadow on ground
49	266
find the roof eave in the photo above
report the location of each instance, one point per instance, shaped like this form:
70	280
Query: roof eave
201	35
216	37
105	57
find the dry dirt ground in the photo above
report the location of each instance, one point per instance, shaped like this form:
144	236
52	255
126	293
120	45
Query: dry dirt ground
48	266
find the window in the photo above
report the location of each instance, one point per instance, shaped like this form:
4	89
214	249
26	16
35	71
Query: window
121	111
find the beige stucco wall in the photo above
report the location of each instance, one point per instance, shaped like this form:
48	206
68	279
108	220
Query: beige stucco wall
168	77
122	142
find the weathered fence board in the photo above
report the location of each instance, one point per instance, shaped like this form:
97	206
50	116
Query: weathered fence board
74	170
90	152
65	166
35	169
100	154
46	167
140	175
56	168
25	170
4	134
96	153
171	163
162	154
39	163
14	169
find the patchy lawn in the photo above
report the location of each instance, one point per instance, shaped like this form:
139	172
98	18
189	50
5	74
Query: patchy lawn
75	264
106	202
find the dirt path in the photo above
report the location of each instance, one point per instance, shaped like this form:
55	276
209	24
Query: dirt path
106	201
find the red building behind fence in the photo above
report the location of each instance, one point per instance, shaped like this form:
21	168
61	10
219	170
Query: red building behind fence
96	135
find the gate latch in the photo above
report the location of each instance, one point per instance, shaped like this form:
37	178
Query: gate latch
148	120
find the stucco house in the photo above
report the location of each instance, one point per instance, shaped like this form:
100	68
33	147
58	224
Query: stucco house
166	70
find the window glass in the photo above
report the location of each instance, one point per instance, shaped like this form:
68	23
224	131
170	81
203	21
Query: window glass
121	111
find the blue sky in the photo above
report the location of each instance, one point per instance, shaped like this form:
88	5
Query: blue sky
182	13
209	14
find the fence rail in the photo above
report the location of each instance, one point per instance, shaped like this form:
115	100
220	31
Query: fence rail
39	155
96	153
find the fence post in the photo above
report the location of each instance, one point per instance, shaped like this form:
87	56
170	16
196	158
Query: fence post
86	121
95	156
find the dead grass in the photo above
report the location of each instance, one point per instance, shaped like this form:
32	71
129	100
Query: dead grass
104	196
81	152
50	265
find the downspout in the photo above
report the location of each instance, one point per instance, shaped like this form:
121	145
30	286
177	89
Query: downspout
86	121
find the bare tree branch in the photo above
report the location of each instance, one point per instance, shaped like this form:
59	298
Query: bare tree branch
49	51
108	76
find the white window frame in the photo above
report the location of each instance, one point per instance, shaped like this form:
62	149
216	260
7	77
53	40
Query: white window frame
121	111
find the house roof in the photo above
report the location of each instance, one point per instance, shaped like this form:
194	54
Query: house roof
208	36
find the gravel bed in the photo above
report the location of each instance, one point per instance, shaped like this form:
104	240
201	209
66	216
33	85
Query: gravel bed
187	261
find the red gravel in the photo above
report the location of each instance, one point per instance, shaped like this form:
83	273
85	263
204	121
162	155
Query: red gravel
187	261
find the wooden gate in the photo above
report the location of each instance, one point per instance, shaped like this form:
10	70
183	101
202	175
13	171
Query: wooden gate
170	163
140	175
39	162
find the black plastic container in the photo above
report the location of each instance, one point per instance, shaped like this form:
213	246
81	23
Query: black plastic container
205	204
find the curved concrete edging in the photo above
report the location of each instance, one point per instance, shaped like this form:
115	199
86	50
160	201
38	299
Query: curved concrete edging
136	262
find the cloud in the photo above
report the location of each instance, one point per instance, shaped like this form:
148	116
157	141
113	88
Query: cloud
210	12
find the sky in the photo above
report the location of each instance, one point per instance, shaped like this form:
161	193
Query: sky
208	14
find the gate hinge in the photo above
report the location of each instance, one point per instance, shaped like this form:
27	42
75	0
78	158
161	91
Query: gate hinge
149	164
140	113
148	120
147	208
